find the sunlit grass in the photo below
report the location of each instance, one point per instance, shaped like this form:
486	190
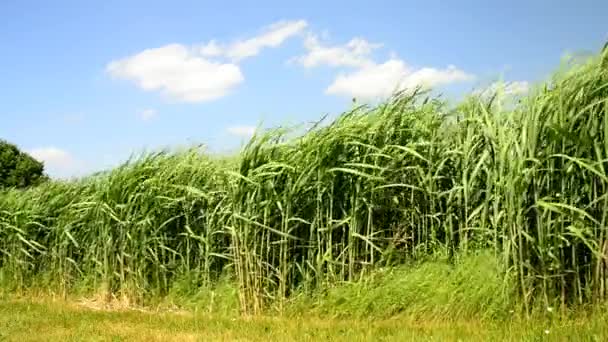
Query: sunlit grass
406	181
45	320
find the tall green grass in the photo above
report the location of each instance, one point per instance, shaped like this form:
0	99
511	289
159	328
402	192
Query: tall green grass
380	186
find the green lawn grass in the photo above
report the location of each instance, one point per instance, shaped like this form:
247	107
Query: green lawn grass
51	320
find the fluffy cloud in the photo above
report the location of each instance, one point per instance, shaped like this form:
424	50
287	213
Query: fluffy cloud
517	88
376	81
178	72
241	131
509	88
57	162
272	36
355	53
367	79
196	73
147	114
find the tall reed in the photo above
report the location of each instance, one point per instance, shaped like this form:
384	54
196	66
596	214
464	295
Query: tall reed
379	186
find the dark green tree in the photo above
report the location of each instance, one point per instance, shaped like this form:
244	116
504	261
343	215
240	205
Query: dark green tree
17	168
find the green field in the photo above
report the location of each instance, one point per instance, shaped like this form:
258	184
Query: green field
413	218
433	300
45	320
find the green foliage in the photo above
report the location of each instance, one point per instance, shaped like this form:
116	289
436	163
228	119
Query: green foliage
18	169
471	288
380	186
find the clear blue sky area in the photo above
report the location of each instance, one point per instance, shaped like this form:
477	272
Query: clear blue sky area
85	84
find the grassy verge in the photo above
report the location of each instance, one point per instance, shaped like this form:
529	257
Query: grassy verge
45	320
471	287
433	300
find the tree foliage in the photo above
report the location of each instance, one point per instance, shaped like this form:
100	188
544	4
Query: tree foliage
17	168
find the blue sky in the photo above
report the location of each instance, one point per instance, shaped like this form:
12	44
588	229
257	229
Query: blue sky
85	85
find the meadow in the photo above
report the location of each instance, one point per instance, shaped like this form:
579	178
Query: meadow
493	207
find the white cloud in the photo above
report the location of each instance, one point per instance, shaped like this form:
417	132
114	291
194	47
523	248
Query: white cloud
195	73
271	36
517	88
241	131
52	155
432	77
211	49
371	80
179	73
147	114
355	53
377	81
508	88
57	162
